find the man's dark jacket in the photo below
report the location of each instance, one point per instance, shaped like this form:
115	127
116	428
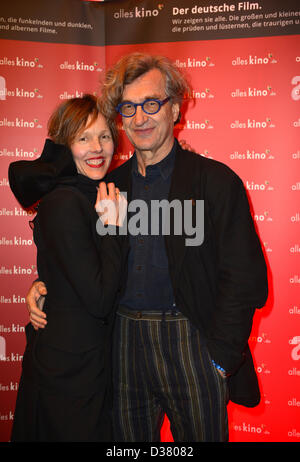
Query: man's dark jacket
218	284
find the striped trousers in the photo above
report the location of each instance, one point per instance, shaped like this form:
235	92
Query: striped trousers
161	366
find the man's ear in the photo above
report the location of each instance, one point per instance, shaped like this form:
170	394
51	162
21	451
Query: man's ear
175	111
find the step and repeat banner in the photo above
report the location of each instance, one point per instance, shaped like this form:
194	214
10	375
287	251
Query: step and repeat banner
243	62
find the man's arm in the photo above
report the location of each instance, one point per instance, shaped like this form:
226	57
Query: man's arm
242	271
35	300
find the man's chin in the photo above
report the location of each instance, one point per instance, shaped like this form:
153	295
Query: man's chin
142	147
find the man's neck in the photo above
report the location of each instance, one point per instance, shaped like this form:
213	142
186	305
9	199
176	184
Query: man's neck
146	158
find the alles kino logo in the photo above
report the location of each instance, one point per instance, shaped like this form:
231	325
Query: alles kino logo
251	155
249	428
252	123
252	92
137	12
19	123
80	66
252	186
20	93
194	62
253	60
21	62
295	354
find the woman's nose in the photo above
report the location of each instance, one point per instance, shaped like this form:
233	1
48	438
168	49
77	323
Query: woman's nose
96	145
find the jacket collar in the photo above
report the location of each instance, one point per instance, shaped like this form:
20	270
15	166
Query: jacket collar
181	183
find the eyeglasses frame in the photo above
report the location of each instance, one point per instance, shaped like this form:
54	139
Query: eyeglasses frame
160	104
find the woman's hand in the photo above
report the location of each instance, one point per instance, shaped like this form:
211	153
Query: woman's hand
186	146
111	205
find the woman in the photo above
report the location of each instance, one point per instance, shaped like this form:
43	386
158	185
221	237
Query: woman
64	391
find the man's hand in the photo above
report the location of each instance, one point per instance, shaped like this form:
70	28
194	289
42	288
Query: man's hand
35	301
222	374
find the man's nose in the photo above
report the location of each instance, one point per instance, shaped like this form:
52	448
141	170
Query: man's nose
140	116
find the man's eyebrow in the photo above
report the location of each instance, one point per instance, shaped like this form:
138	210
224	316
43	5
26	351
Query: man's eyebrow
155	96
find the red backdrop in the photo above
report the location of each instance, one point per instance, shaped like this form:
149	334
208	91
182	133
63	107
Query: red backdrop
246	114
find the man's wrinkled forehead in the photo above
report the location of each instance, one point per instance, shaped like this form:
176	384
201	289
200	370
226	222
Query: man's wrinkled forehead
149	85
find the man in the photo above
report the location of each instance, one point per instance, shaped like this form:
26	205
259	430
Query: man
185	312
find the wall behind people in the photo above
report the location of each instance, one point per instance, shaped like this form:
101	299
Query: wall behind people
243	60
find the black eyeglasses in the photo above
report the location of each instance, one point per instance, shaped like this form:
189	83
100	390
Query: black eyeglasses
149	106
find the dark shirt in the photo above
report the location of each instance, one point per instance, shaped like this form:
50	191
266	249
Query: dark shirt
149	285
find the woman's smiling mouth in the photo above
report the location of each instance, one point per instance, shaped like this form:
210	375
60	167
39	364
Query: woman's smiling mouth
95	162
